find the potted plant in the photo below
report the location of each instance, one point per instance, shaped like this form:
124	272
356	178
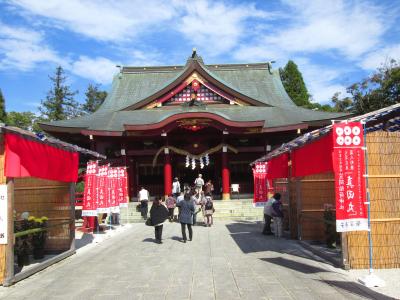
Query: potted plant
23	243
39	237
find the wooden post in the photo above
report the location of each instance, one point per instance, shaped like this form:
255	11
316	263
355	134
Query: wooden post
345	251
299	208
72	224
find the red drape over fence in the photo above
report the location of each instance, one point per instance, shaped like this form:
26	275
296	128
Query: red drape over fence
278	167
313	158
26	158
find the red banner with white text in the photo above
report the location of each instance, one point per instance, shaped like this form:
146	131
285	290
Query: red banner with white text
103	205
260	184
113	190
349	168
122	187
89	205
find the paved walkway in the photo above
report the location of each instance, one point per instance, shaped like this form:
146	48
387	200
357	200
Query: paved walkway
227	261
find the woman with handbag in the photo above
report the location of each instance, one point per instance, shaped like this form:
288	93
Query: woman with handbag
158	215
186	216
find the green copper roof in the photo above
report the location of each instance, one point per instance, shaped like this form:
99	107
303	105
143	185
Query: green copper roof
272	117
262	87
255	81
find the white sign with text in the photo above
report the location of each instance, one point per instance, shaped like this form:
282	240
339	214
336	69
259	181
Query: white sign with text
3	214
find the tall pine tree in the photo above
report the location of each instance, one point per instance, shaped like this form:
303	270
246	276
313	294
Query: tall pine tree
59	103
294	84
94	98
3	114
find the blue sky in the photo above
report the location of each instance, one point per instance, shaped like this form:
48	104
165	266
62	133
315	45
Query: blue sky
335	43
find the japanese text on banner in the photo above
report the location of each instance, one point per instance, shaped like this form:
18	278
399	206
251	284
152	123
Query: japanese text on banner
260	184
89	205
348	161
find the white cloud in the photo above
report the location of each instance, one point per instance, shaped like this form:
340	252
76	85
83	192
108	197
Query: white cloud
381	56
350	28
99	69
101	20
215	27
23	49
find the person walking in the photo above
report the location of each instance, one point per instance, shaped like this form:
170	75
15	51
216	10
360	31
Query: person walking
209	188
196	198
179	199
278	217
198	183
144	197
158	215
208	211
170	202
187	209
176	187
268	213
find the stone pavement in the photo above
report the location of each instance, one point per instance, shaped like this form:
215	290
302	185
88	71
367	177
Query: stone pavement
230	260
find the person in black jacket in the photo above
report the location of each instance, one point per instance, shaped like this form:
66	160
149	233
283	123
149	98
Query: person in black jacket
158	215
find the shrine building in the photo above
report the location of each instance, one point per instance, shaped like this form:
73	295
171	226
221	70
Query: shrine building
179	121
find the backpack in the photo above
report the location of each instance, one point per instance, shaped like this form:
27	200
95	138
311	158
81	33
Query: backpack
209	205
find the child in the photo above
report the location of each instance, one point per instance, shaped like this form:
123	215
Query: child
209	210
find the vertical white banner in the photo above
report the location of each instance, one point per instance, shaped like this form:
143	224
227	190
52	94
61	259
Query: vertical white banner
3	214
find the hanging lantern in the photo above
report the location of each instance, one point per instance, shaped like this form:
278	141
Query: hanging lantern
201	163
207	159
187	161
193	163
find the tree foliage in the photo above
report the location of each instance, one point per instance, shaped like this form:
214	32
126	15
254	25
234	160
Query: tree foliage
380	90
3	114
94	98
59	103
377	91
24	120
293	82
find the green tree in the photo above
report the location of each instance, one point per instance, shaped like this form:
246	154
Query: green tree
341	105
380	90
94	98
3	114
24	120
59	103
294	84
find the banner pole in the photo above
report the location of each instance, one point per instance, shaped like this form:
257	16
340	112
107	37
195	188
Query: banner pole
370	280
368	201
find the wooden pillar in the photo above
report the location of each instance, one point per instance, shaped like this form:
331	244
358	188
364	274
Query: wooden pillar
167	173
225	175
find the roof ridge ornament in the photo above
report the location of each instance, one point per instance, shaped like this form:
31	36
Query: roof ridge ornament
195	57
269	66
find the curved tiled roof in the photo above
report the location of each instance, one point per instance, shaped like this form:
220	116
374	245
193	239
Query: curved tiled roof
136	87
255	81
272	117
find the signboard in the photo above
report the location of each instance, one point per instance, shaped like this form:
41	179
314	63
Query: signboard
349	168
260	184
103	205
112	190
122	187
89	206
3	214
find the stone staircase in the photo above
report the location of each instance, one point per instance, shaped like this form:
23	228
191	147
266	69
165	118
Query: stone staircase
242	210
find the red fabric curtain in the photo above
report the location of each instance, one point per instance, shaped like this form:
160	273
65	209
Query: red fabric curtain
314	158
278	166
26	158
